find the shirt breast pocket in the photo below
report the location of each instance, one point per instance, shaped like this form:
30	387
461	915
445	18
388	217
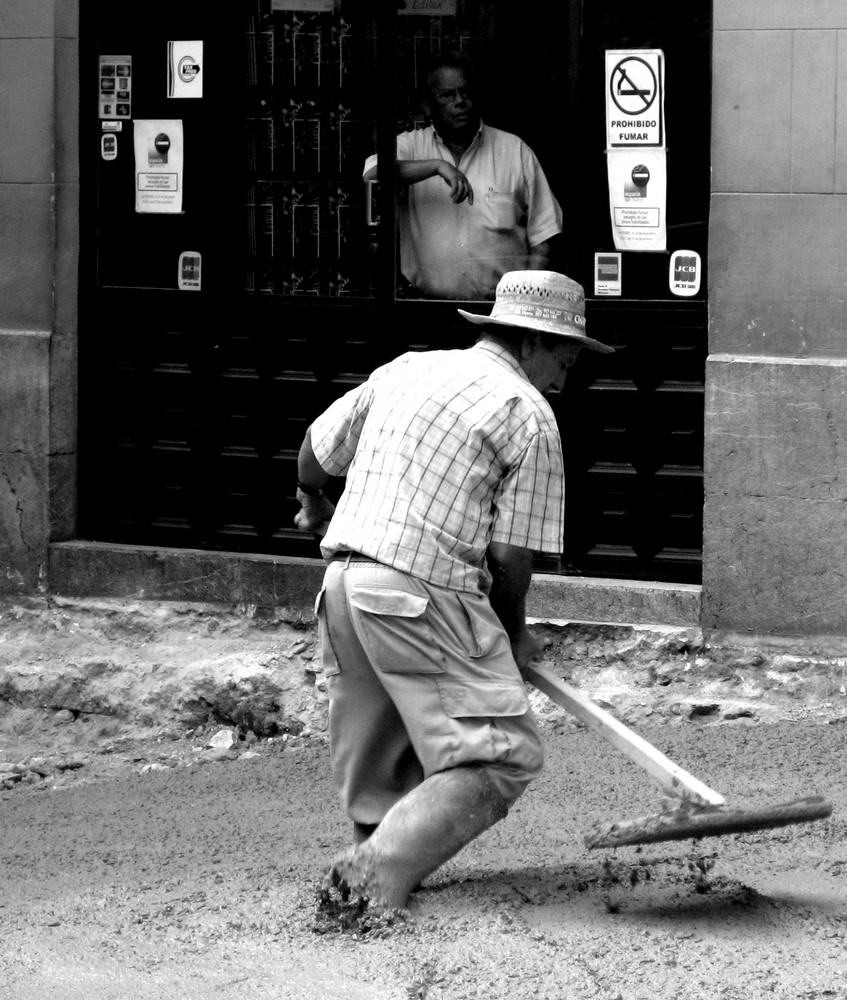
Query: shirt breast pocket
503	213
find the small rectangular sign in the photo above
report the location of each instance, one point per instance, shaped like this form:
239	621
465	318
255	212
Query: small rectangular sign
115	87
185	69
188	273
635	97
109	146
684	273
607	274
428	8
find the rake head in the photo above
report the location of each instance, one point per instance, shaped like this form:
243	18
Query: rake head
689	821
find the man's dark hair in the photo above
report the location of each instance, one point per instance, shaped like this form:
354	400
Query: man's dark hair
449	59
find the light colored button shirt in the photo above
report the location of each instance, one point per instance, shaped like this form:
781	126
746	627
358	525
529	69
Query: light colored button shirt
459	251
444	452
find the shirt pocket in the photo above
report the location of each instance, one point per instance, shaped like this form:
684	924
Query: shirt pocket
502	212
394	629
482	699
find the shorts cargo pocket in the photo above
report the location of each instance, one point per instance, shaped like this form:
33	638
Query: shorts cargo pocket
481	700
485	634
326	654
392	624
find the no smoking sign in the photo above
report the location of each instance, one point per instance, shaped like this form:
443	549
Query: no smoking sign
635	97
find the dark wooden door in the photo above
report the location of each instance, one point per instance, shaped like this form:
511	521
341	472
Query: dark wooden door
193	403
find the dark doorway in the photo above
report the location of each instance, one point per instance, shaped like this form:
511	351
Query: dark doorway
193	402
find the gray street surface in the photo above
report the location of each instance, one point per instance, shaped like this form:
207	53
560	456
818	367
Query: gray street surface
163	870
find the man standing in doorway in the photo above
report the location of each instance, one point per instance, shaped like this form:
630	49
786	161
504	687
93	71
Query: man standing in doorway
454	479
473	200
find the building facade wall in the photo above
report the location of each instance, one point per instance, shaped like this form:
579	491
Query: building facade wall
775	531
775	535
39	195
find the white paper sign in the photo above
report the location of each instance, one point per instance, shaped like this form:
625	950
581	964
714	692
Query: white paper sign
638	198
185	69
158	165
635	97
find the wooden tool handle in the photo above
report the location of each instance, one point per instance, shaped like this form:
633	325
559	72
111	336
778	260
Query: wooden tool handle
672	777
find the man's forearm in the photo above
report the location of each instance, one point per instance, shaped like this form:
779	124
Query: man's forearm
316	510
408	171
511	573
413	171
310	473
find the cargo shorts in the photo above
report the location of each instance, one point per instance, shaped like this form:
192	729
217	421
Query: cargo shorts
420	679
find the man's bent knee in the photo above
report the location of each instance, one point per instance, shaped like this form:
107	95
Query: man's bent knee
511	778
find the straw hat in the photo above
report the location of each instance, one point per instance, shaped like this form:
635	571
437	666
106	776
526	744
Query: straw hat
540	300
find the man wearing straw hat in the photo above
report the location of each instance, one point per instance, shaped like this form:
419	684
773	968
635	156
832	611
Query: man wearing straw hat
454	479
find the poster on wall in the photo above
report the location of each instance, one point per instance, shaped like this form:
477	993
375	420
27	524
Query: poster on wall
115	87
158	165
637	198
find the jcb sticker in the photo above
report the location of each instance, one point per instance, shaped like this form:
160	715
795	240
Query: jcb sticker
188	276
684	272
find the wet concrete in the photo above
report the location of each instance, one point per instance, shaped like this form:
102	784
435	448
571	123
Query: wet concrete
199	880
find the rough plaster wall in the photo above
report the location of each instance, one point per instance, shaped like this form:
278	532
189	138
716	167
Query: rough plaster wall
39	185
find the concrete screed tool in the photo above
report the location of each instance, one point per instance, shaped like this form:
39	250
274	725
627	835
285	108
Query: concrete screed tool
693	810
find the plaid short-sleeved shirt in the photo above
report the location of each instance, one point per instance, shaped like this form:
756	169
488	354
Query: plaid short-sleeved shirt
444	452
